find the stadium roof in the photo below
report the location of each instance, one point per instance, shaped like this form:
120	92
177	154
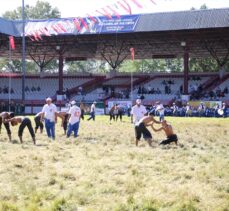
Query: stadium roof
157	35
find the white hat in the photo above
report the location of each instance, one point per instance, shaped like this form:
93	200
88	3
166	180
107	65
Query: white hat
94	102
73	102
48	99
138	101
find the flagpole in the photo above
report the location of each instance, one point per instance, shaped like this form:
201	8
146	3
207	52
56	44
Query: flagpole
23	52
9	91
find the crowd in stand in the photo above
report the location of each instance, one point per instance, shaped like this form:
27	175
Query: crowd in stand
193	111
6	90
17	108
32	89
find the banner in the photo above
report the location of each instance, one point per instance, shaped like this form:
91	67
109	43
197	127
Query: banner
125	23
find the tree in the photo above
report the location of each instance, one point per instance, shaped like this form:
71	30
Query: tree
42	10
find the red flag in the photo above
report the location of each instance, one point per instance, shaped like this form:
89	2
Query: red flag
92	18
56	29
84	23
38	33
61	27
107	14
132	53
34	34
127	8
29	36
137	3
12	44
114	11
46	31
77	24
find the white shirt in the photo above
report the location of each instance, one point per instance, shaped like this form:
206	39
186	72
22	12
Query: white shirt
75	113
160	109
138	112
93	107
49	112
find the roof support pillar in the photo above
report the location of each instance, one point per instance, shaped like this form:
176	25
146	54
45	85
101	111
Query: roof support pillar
186	71
61	67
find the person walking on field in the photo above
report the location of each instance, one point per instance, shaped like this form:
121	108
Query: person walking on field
24	122
49	114
111	113
82	109
92	112
74	119
38	122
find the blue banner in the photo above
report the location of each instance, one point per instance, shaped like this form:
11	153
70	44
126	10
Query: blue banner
66	26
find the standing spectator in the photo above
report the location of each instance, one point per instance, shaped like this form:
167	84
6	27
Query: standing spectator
111	113
120	112
82	109
92	112
137	112
161	111
74	119
175	109
22	108
49	114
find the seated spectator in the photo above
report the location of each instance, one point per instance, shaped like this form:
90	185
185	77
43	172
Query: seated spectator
38	89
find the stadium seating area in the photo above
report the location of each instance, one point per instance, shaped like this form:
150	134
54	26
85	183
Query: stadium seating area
153	87
36	88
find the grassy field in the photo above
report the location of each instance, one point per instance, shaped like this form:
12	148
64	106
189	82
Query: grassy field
103	170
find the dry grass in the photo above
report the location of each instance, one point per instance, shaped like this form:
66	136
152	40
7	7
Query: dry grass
103	170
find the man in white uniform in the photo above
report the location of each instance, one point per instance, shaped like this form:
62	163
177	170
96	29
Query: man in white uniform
74	119
137	112
49	113
92	112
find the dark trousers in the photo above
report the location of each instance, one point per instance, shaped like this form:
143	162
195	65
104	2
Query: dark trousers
26	123
82	114
120	116
65	123
92	116
38	123
7	126
170	139
112	116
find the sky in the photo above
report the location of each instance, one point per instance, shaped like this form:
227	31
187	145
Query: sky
75	8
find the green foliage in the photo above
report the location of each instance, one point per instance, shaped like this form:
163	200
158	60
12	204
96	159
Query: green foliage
42	10
6	206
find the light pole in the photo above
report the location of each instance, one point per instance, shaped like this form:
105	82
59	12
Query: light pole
23	52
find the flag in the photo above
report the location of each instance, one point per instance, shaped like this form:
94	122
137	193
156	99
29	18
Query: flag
114	11
137	3
84	23
77	24
61	27
92	18
127	8
107	14
12	44
132	53
153	2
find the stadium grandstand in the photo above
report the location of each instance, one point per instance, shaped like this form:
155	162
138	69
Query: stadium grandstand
185	34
